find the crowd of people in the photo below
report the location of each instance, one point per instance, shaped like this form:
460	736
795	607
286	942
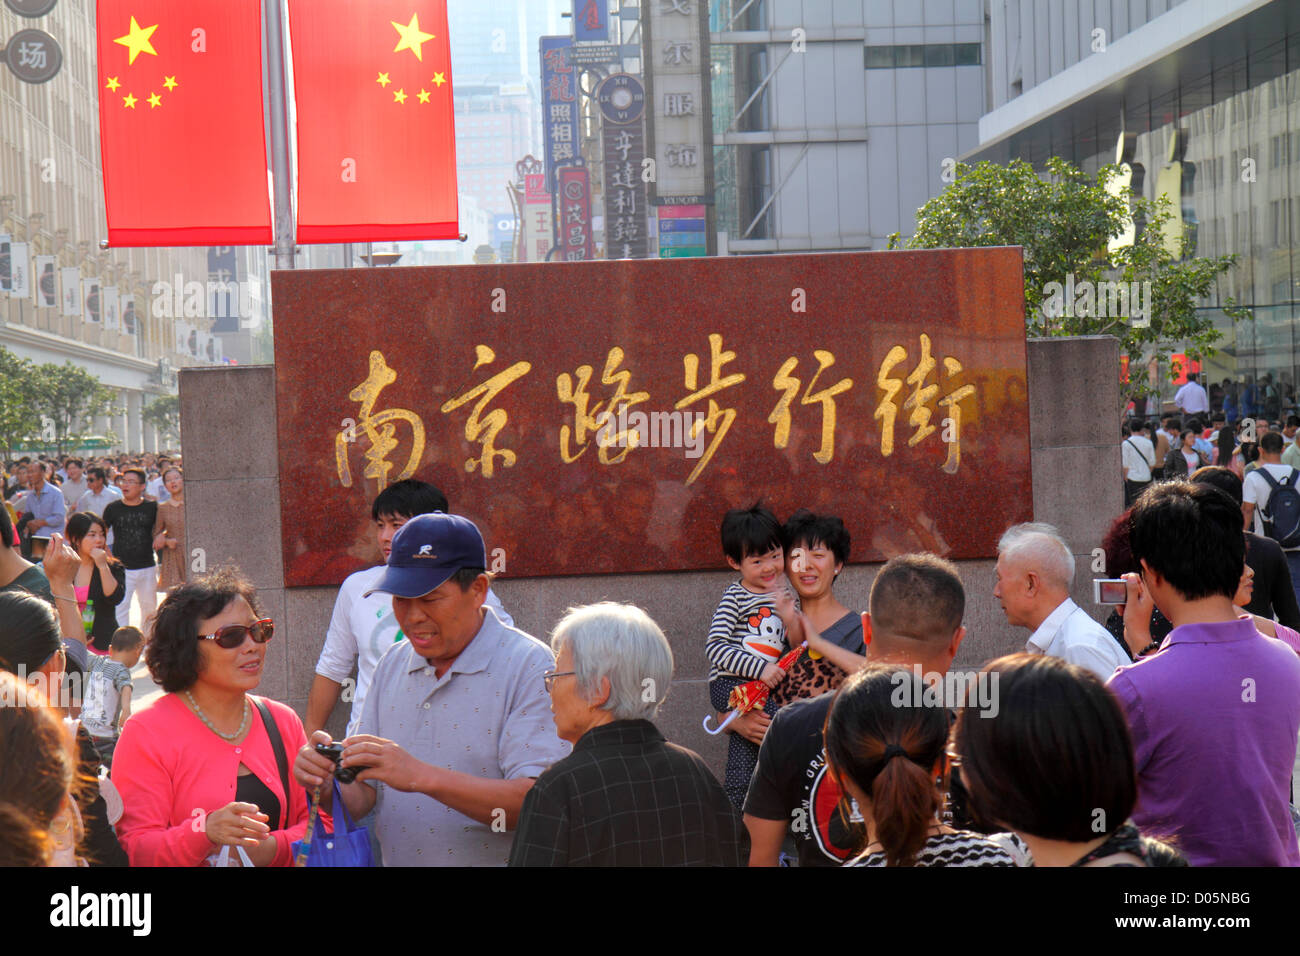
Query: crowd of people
1165	736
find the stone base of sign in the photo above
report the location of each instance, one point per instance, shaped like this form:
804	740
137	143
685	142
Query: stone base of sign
233	515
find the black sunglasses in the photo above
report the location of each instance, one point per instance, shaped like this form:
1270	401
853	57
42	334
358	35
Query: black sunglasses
232	635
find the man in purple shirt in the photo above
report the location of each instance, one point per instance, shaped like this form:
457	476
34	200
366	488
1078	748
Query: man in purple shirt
1215	712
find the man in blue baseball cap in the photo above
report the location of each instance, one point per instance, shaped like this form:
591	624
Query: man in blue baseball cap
457	722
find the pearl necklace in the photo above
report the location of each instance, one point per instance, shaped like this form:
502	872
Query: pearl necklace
243	724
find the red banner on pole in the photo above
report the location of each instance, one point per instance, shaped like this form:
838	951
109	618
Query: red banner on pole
180	119
376	138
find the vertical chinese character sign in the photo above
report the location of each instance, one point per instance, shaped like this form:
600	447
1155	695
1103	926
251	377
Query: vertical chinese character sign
591	21
622	104
574	208
559	105
538	230
680	125
618	431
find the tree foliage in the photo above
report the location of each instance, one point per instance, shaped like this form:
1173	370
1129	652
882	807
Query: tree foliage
70	397
1064	222
19	416
164	414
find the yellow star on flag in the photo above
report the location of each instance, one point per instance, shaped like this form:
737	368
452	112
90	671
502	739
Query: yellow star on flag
411	36
154	100
137	41
129	101
112	83
423	95
399	96
383	79
170	83
439	79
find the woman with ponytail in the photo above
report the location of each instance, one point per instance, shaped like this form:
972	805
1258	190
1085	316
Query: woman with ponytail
885	747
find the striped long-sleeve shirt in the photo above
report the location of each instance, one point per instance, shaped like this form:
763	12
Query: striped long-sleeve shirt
743	616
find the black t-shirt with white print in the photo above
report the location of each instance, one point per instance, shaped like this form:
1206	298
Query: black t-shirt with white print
132	527
791	784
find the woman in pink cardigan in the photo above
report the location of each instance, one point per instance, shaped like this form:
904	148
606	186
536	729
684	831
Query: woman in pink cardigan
197	770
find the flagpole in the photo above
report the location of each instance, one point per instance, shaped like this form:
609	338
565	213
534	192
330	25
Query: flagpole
277	103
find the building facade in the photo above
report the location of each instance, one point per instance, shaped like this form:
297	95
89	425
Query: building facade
1208	93
832	121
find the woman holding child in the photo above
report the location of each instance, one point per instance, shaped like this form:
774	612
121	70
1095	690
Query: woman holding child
816	548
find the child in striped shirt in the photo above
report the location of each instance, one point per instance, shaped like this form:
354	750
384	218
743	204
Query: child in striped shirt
749	631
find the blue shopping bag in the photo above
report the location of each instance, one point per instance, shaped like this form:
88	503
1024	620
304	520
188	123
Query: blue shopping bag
348	845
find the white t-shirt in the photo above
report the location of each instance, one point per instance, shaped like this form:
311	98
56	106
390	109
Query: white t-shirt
156	490
1255	490
1138	456
362	629
73	490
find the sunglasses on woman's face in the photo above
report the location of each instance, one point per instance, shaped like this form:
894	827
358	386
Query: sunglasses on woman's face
232	635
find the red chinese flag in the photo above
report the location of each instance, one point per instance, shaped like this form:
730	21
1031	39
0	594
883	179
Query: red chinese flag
376	138
180	122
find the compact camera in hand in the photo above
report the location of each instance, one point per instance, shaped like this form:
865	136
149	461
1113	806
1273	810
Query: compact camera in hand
335	753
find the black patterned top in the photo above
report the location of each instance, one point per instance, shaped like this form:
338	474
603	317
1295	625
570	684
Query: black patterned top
1127	839
961	848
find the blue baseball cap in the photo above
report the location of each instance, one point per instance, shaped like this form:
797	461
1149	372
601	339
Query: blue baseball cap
427	551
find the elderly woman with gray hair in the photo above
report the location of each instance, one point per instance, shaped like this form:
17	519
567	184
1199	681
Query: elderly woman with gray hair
625	796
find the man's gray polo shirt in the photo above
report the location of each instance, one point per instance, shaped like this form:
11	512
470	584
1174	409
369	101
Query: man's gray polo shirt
488	716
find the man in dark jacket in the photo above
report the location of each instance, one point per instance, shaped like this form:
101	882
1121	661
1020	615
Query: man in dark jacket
625	796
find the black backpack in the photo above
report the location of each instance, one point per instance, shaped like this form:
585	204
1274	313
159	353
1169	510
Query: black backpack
1282	517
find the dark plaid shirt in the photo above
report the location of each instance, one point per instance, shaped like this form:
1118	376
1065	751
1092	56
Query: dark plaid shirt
627	797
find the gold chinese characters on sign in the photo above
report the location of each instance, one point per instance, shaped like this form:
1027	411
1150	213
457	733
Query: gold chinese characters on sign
606	412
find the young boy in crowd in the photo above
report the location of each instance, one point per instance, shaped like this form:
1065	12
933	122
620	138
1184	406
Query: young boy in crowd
750	627
107	701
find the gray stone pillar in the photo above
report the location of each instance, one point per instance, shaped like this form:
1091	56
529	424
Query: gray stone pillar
135	421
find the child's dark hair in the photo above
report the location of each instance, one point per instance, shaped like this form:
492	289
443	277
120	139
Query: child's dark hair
749	531
408	498
126	639
807	530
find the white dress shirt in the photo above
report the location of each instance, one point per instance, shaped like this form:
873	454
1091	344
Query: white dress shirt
1192	399
1070	633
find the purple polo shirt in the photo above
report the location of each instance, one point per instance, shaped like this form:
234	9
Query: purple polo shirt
1214	717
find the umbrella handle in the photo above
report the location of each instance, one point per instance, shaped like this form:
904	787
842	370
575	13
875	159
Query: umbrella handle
721	727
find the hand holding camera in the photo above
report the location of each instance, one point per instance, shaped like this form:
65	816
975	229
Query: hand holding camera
334	753
319	759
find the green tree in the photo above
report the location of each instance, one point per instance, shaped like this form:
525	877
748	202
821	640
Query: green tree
19	418
70	397
164	414
1064	222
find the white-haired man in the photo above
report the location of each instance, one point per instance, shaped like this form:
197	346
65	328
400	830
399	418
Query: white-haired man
1035	568
625	796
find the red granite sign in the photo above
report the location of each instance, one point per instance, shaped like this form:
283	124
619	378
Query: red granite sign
600	417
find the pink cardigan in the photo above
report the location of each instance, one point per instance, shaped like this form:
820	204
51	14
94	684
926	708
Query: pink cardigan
168	766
